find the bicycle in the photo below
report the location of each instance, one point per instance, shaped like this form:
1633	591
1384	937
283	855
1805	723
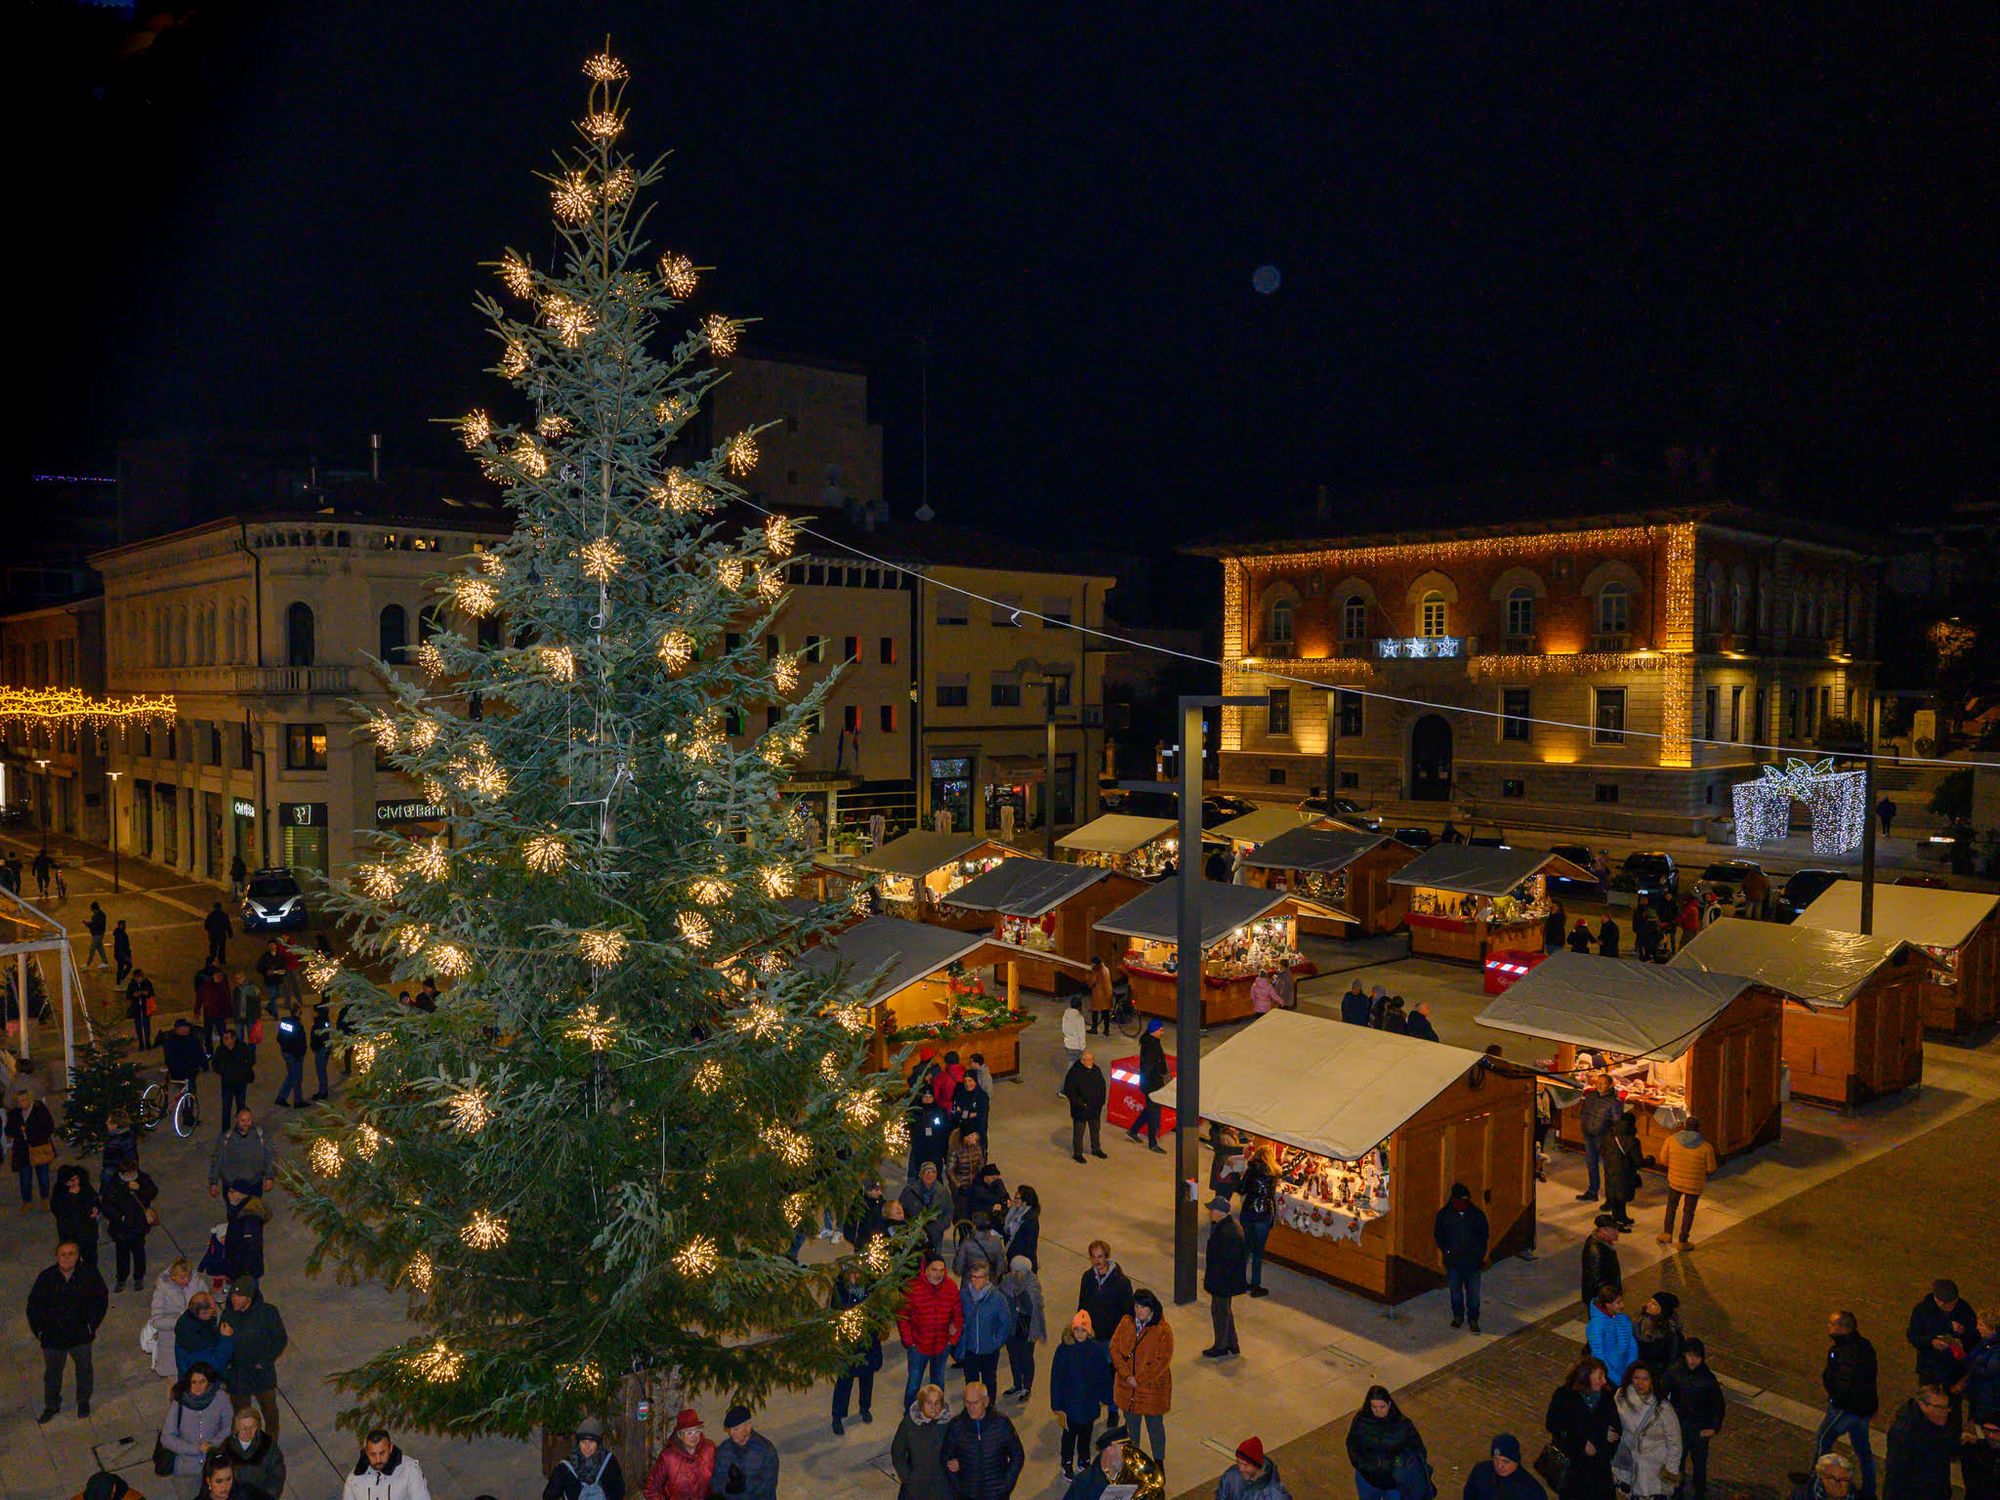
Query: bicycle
186	1107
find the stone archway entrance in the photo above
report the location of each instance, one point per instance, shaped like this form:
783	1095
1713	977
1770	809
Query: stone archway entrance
1430	759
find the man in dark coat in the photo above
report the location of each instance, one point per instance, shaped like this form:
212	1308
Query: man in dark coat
927	1202
1418	1023
1923	1441
1848	1377
1153	1076
1223	1277
1595	1112
746	1462
1084	1087
235	1065
258	1337
1104	1292
65	1306
1600	1259
1354	1005
1941	1329
216	925
1694	1393
1462	1233
1503	1476
981	1450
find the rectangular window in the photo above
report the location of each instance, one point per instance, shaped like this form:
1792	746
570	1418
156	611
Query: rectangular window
246	747
1280	711
850	718
1825	704
732	640
885	651
951	608
888	714
1811	722
771	716
1514	714
1006	690
1059	685
1711	712
732	721
305	747
774	646
1610	719
1056	609
1513	786
1349	780
815	648
952	689
1607	791
1350	715
1757	719
1274	775
850	648
1430	617
1736	715
1354	618
1521	613
1006	610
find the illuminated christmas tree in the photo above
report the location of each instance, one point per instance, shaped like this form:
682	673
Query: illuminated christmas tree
593	1157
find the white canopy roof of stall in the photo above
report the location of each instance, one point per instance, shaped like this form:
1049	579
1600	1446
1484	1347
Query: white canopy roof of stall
1479	871
1641	1010
1025	887
1319	849
922	851
1819	966
1914	913
1261	825
1116	833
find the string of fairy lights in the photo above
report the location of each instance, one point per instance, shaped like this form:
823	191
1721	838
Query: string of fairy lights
67	707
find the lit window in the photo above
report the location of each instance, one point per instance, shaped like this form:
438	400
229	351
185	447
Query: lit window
1430	615
1521	613
1281	621
1610	722
1613	609
1354	618
1280	710
1514	714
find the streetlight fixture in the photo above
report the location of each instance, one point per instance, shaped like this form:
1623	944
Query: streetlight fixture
112	818
42	762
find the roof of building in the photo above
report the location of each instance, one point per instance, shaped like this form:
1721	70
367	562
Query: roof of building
1320	849
1153	914
1116	833
1025	887
1480	871
1638	1010
1261	825
1915	913
921	851
896	952
1818	966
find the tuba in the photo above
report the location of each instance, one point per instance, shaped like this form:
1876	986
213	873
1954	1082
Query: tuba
1141	1472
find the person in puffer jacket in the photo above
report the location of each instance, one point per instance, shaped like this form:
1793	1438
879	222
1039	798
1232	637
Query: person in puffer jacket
918	1448
1611	1336
981	1450
929	1323
686	1464
1849	1379
170	1299
197	1420
1647	1464
385	1472
1252	1476
1383	1446
986	1323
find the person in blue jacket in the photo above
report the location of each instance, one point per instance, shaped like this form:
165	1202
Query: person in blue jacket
989	1319
1079	1390
1611	1336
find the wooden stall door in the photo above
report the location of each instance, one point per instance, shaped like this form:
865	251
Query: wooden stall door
1492	1153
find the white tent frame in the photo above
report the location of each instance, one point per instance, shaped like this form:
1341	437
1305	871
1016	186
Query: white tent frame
56	942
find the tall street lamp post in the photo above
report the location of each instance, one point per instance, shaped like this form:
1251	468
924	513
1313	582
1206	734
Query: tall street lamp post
112	816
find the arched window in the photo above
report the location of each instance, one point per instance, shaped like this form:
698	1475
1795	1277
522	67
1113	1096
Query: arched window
299	635
1354	618
1713	602
1521	612
1739	601
1614	614
1798	613
394	632
229	633
1280	628
1430	615
430	622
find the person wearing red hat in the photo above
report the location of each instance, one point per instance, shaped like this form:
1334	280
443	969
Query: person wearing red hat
1252	1476
686	1465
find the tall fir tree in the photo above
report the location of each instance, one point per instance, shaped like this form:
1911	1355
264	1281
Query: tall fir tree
594	1155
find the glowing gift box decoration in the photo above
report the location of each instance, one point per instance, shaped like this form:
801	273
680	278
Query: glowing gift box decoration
1836	800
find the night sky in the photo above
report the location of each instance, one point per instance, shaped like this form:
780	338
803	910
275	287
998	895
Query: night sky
1506	245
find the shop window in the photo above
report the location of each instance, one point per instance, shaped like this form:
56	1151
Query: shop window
1514	714
1610	717
953	689
1279	711
298	635
1006	690
305	747
1430	615
1614	613
1513	786
1606	791
888	718
1521	612
1350	715
885	651
1354	618
393	632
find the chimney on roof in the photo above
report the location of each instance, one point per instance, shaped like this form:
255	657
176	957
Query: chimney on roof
1322	503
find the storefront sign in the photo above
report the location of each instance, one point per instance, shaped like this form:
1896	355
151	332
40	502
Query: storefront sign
243	807
410	812
302	814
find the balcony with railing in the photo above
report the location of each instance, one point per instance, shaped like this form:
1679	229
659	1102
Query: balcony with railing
1425	647
242	681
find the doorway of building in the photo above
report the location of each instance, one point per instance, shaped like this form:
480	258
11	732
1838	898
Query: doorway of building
1430	760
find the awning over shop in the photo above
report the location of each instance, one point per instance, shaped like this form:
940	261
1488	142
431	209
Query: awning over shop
1116	833
918	853
1479	871
1320	849
1640	1010
903	952
1259	827
1914	913
1821	967
1322	1086
1025	887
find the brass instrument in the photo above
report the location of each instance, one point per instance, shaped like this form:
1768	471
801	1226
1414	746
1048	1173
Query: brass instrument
1142	1471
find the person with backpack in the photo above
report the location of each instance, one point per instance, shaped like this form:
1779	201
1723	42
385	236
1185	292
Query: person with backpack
1023	1291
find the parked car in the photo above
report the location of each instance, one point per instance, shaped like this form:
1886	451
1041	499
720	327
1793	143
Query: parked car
1802	888
274	902
1569	885
1488	841
1416	838
1218	808
1647	871
1343	810
1123	1101
1927	882
1725	877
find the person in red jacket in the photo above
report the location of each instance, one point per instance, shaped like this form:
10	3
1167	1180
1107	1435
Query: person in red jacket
930	1322
686	1465
1690	920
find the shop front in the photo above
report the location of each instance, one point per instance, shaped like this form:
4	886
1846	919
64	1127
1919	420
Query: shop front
1678	1044
916	872
1467	900
1245	932
1340	867
413	818
1050	910
243	831
1143	848
951	789
1853	1019
1371	1129
1959	929
303	835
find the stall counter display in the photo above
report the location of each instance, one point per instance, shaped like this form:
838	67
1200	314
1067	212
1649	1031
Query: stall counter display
1468	900
1229	970
924	898
1331	1199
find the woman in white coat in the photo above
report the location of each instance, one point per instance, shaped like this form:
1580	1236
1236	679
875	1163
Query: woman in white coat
1648	1461
170	1299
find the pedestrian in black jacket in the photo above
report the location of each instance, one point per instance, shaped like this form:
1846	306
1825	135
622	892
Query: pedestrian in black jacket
1383	1447
1104	1292
1153	1076
1942	1327
1222	1277
77	1215
127	1210
1695	1395
65	1307
235	1067
1084	1087
1624	1164
1502	1475
1849	1379
981	1450
1658	1330
1462	1233
1599	1106
216	925
1923	1441
1583	1425
1600	1259
1979	1461
1607	938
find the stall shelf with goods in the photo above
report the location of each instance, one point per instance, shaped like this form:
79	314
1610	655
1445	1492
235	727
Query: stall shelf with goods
1678	1044
1960	929
926	986
1853	1025
1048	910
914	873
1341	867
1372	1129
1467	900
1244	932
1143	848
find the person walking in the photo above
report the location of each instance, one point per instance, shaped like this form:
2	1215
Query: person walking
1583	1427
235	1067
1153	1076
1647	1462
686	1464
320	1037
127	1208
591	1470
243	1236
1922	1444
1658	1330
1600	1260
928	1202
972	1106
985	1324
1832	1478
1608	938
95	924
1501	1475
967	1156
930	1132
197	1422
171	1293
44	866
1610	1334
849	1292
1100	997
1595	1112
31	1148
1688	1159
76	1211
981	1451
1074	1032
216	925
121	952
258	1459
1885	813
1253	1476
65	1306
1461	1232
1105	1293
1079	1389
1579	937
198	1336
141	1001
239	877
1624	1166
384	1472
241	1158
1021	1226
1848	1377
211	1001
929	1322
1022	1290
1385	1449
292	1043
1690	1387
1086	1090
917	1451
246	997
1222	1277
1142	1370
746	1462
1259	1213
256	1331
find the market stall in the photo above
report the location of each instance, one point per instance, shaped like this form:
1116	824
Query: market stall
1144	848
917	871
1960	929
1853	1024
1676	1042
1048	910
1243	836
1371	1130
926	985
1466	899
1244	932
1344	868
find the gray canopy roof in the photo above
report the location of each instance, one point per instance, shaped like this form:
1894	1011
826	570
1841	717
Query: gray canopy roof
1819	966
1025	887
1153	913
1117	833
1320	849
1915	913
1641	1010
910	951
1479	871
920	852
